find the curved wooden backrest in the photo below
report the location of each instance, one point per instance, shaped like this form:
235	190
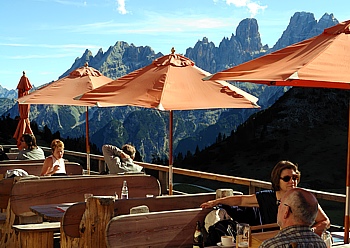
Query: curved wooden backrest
12	155
73	215
32	168
52	190
72	218
16	161
5	191
156	229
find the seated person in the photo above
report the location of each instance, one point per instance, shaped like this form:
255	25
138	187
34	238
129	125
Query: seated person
30	149
284	176
297	211
120	160
54	164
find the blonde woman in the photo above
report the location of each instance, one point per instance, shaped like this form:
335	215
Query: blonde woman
54	164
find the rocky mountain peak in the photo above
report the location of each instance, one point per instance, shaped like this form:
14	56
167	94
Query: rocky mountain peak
309	28
247	33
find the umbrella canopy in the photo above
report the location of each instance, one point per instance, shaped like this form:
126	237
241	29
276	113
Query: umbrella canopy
62	92
171	82
23	124
322	61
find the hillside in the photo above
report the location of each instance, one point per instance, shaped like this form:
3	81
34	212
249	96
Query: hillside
306	126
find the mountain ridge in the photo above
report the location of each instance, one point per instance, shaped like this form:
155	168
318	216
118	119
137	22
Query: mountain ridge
192	128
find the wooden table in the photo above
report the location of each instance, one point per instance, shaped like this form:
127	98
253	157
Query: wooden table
257	238
51	212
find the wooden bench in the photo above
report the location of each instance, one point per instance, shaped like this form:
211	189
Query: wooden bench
5	191
37	235
74	214
155	229
51	190
26	161
72	168
12	155
17	161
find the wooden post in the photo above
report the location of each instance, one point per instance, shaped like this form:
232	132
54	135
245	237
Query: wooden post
347	201
163	179
37	235
9	238
99	211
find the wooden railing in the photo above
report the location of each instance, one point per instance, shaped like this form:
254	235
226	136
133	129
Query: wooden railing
252	184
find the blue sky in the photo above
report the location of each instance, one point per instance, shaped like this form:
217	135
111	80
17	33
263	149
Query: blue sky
44	37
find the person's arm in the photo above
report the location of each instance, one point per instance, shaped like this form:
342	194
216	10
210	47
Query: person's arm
46	167
111	155
111	151
322	221
235	200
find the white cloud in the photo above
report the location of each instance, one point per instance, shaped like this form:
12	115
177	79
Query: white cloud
253	6
73	3
121	7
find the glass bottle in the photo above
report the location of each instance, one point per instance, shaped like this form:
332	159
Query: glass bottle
198	238
125	191
327	238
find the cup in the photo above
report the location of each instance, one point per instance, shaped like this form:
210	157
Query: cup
226	240
243	235
223	193
87	196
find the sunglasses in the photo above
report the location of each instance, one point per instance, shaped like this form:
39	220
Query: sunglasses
287	178
278	203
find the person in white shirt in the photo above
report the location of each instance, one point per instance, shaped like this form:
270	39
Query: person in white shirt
54	164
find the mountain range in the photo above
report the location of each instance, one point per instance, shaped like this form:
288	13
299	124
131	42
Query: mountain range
146	128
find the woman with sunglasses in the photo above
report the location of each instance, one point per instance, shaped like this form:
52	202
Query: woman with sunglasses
284	176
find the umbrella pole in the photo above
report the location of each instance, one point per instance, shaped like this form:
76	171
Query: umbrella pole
170	152
346	220
87	140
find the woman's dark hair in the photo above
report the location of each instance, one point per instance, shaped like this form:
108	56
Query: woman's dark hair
277	170
30	140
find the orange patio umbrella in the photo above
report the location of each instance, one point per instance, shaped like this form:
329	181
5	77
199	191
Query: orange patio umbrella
62	92
171	82
23	124
322	61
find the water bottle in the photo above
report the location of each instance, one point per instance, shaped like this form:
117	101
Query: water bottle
198	238
125	191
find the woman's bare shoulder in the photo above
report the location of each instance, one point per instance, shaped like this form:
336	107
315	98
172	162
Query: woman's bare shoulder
48	160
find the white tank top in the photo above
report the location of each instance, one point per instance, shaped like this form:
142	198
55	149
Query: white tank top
59	162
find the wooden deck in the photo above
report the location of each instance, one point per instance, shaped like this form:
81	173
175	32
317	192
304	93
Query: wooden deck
251	184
